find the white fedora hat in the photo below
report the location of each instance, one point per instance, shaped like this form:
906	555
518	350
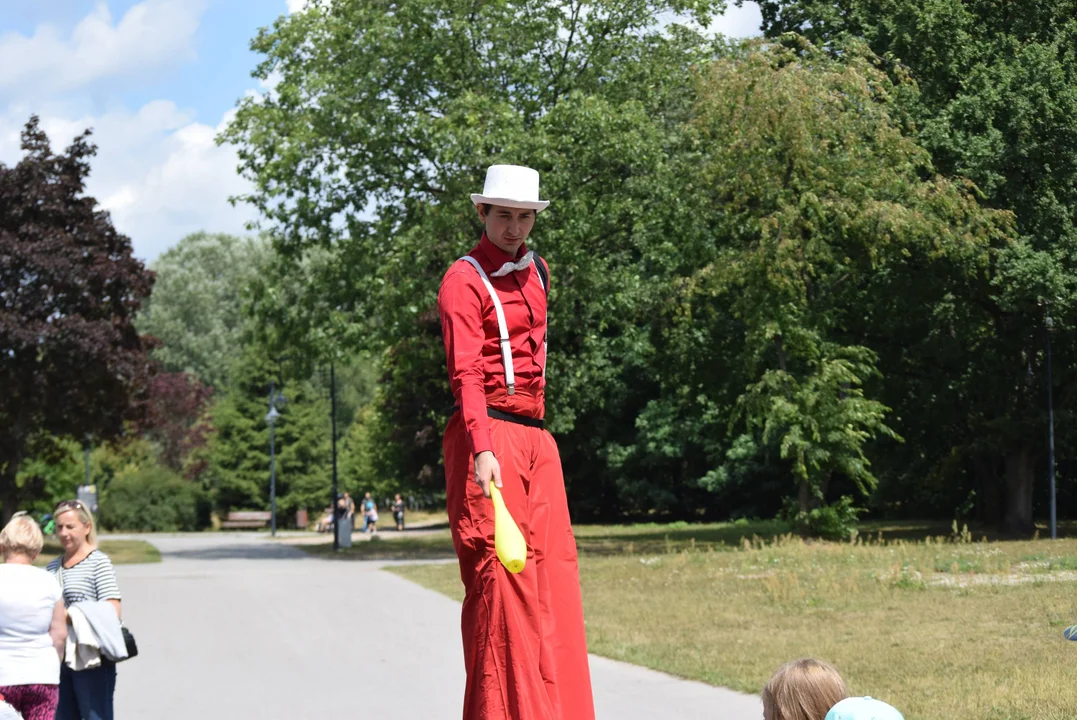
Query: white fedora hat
512	186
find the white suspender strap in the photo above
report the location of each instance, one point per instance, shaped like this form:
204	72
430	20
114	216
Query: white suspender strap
502	326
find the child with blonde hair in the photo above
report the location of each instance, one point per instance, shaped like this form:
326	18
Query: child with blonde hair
803	689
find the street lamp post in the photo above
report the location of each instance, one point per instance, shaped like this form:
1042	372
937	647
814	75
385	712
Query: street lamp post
272	416
1051	428
333	423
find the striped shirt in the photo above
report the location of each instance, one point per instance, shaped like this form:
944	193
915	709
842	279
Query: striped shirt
93	578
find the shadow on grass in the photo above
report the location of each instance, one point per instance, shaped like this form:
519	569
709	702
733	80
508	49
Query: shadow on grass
591	540
657	538
426	547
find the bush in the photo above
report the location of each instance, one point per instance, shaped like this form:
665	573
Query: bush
154	499
830	522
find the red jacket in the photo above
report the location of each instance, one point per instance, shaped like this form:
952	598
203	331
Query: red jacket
472	350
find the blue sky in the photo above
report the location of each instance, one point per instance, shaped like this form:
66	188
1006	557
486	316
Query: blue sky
209	80
156	79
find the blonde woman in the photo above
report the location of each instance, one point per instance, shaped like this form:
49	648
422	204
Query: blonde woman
803	690
32	624
85	574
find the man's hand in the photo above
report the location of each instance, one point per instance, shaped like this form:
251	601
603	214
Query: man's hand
487	468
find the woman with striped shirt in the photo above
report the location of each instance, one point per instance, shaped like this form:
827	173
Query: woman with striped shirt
85	573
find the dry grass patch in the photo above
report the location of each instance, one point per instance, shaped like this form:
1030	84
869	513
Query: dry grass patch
941	629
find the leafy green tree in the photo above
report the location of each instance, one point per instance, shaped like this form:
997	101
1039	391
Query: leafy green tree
814	220
197	309
51	476
154	499
996	102
72	364
358	453
383	123
752	259
238	453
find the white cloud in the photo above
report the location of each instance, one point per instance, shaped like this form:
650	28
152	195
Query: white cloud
295	6
739	22
735	22
151	35
158	171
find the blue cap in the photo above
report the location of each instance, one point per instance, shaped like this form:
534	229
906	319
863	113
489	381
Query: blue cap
863	708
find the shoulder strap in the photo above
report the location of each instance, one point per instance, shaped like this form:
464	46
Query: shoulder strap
502	326
543	274
544	278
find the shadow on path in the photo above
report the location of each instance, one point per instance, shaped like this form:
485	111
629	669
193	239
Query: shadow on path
264	551
217	546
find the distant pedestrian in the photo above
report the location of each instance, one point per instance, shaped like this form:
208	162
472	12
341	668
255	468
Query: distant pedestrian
325	523
370	514
86	576
349	504
398	512
802	690
33	624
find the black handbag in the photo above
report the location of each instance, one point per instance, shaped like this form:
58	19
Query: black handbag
129	641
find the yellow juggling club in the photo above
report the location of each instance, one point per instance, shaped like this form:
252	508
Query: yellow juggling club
508	540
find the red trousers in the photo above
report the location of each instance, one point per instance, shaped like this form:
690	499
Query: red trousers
525	650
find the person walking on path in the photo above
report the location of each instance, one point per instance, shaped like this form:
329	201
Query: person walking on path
370	514
85	573
525	651
33	624
398	512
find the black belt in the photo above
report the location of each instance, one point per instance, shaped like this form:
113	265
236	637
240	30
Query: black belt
513	418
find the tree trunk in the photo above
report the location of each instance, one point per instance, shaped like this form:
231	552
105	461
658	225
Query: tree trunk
804	503
1020	477
804	496
824	485
985	471
9	497
12	453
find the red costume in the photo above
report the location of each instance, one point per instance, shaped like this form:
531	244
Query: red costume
525	650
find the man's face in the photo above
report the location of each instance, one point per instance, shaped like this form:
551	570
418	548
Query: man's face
507	227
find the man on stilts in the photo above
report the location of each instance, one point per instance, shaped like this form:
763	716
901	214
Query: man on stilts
525	650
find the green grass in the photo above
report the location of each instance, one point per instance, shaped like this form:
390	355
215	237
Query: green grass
940	629
121	552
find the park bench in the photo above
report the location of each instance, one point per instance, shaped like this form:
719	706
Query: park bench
246	519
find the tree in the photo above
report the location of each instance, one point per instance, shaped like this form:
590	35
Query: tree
46	479
154	499
174	415
238	453
381	125
72	362
997	103
818	225
197	310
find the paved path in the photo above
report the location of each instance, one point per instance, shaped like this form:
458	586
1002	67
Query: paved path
235	626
